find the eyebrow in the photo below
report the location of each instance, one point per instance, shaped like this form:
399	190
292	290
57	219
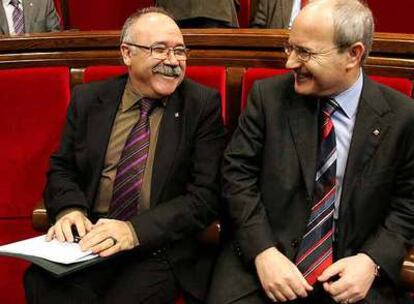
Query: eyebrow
163	43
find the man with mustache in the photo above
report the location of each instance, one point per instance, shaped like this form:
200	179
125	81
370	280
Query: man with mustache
319	175
137	173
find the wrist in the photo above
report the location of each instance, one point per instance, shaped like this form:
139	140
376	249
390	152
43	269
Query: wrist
375	267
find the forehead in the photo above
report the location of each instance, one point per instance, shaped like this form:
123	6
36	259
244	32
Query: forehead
313	28
156	28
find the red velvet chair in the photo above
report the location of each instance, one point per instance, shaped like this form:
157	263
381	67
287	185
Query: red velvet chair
403	85
253	74
211	76
33	102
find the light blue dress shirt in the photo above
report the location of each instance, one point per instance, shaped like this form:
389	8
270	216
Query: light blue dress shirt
344	120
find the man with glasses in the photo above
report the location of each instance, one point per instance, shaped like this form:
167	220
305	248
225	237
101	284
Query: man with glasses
319	174
137	173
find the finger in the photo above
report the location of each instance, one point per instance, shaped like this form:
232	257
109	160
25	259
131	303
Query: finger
92	239
337	287
50	234
58	232
110	251
67	230
288	292
331	271
80	227
343	297
104	245
88	225
299	289
279	296
304	282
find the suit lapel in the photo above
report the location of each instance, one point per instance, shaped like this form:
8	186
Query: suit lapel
167	144
4	27
303	121
100	120
371	125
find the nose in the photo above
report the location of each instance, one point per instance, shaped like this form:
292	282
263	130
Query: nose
171	59
293	61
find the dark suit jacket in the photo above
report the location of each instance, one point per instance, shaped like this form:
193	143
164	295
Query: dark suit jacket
185	189
272	14
39	16
269	169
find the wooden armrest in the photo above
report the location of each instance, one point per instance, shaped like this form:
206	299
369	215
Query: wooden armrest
40	220
407	271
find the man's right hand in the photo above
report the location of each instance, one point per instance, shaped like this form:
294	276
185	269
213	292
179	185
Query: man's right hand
280	278
62	229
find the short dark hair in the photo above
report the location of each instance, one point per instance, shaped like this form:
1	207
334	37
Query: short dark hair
125	33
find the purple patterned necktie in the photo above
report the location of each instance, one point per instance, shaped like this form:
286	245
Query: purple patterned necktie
315	251
18	20
131	166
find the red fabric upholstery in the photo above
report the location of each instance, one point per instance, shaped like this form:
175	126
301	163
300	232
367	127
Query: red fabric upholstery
11	269
102	14
95	73
403	85
211	76
253	74
34	102
244	13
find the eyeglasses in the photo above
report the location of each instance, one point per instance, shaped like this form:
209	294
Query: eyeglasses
162	52
303	54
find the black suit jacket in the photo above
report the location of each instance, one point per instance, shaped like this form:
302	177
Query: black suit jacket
269	169
184	188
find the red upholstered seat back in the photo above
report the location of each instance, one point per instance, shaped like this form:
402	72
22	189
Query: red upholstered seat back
33	102
244	13
253	74
403	85
211	76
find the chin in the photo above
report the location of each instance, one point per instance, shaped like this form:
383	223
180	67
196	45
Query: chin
303	89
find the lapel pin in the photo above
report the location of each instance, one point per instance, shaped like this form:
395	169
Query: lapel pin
376	132
31	4
176	115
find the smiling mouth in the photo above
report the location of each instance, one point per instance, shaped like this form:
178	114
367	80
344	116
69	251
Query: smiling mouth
302	77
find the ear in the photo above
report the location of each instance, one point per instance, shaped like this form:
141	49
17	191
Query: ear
126	54
355	53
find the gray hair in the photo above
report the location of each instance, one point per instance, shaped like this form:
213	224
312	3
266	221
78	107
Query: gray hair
126	35
353	22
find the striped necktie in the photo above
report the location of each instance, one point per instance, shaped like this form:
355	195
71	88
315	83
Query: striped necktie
17	16
131	166
315	252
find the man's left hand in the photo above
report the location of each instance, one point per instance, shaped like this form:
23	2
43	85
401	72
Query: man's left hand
356	274
108	237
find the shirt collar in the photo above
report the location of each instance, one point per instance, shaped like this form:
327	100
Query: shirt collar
132	97
7	2
348	100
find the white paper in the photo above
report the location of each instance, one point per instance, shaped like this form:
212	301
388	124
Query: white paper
64	253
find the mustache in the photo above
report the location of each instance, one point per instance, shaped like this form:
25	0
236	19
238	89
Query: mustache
167	70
